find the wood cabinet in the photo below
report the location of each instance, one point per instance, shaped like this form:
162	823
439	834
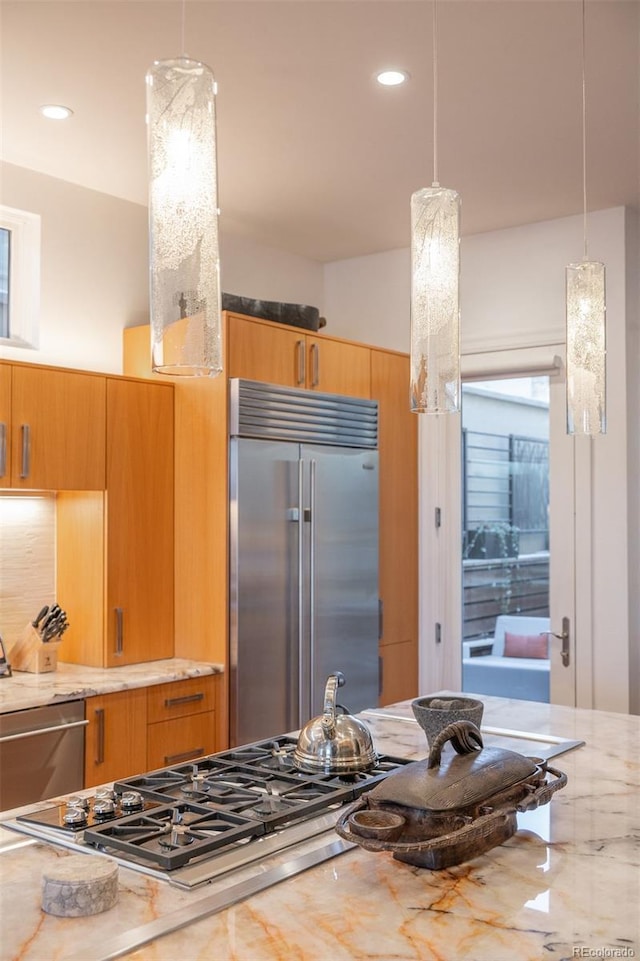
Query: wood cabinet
269	352
115	549
139	529
398	532
5	425
116	736
54	428
133	731
182	721
275	354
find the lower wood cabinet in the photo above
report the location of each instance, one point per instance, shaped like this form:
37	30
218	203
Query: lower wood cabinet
181	721
399	672
134	731
179	741
116	736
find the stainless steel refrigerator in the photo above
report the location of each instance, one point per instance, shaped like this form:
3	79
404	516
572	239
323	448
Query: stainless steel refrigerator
303	555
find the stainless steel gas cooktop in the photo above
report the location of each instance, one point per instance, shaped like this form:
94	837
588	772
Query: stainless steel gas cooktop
196	821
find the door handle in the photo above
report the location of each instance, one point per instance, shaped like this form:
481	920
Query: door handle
312	581
99	716
301	599
26	452
301	361
3	449
119	631
315	365
564	636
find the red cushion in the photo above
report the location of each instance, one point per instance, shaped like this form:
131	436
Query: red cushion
526	645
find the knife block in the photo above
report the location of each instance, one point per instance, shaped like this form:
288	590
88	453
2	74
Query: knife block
30	654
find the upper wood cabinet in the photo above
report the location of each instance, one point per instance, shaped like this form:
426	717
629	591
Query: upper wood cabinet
398	532
54	428
264	351
5	425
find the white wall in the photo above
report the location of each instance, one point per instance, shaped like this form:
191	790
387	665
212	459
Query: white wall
511	287
512	296
94	270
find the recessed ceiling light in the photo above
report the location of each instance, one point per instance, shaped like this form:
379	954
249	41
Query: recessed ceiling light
55	111
392	78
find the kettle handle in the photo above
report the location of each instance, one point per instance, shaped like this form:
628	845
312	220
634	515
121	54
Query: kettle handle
465	738
328	721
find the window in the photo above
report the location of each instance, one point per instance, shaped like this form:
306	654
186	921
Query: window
5	255
19	277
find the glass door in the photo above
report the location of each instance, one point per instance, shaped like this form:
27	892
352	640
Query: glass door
516	513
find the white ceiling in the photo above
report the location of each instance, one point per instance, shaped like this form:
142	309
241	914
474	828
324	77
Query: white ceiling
314	156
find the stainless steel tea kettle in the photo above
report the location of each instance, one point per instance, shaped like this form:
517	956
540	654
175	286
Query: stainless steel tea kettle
334	743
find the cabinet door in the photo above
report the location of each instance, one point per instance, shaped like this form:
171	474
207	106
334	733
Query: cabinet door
139	527
337	367
116	736
58	431
259	350
398	574
5	425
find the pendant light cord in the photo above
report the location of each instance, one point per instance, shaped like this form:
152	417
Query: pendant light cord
182	27
435	94
584	135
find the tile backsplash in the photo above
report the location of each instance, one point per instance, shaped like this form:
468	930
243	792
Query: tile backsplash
27	560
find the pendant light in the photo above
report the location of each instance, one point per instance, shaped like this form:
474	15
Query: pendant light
183	218
586	307
435	273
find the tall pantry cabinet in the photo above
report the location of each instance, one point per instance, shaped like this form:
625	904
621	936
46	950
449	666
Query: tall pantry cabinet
116	548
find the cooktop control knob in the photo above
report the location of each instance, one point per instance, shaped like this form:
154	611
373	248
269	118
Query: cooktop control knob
106	792
104	807
78	802
75	816
131	801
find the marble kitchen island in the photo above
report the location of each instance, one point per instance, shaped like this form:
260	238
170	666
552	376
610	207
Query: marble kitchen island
566	885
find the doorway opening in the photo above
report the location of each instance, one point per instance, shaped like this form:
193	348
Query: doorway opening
505	538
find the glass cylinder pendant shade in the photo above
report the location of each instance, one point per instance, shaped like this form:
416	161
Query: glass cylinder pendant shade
586	348
183	219
435	310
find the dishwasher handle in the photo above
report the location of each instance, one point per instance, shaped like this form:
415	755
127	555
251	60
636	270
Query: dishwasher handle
42	730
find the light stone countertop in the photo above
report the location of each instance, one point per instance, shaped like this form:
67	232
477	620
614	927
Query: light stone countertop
566	885
71	682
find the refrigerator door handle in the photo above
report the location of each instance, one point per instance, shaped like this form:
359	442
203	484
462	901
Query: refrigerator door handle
312	584
301	718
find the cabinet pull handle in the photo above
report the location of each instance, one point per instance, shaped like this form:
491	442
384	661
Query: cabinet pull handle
315	365
175	758
119	631
186	699
3	449
99	712
26	452
300	357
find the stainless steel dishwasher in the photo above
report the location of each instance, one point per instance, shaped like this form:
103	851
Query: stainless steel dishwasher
41	753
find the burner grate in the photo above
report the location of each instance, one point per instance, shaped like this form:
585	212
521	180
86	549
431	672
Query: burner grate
171	836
